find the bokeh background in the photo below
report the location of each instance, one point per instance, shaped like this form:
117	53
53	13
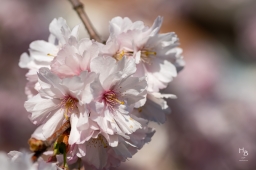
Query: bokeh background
215	113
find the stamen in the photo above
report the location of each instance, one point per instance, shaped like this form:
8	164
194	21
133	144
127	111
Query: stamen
120	102
69	103
51	55
146	56
111	98
119	55
147	53
98	142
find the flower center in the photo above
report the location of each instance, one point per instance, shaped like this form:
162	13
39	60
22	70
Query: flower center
69	103
119	55
111	98
146	56
100	141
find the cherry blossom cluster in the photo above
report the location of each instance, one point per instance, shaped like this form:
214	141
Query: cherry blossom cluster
108	92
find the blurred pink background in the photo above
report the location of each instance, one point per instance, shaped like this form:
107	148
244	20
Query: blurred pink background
215	113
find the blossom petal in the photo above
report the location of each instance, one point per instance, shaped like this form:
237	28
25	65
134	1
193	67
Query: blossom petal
50	84
40	108
82	123
97	156
53	123
24	60
127	124
155	108
81	150
74	133
101	64
59	28
45	48
67	62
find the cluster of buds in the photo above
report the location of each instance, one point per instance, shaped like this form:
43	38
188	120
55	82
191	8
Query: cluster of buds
92	101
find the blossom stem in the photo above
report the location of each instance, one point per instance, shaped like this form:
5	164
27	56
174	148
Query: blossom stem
79	163
39	147
65	160
79	8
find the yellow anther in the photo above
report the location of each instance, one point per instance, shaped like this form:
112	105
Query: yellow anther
146	56
111	98
151	53
51	55
119	55
147	53
120	102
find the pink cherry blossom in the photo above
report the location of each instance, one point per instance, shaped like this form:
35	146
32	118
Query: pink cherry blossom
156	55
41	52
115	94
60	100
108	92
97	153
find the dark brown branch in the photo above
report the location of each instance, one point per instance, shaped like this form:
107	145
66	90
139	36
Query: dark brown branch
79	8
39	146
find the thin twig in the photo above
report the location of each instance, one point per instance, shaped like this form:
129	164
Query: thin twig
39	146
79	8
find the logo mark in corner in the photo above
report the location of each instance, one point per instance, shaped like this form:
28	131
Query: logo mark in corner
244	152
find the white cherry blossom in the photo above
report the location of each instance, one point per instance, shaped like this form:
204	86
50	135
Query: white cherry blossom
115	94
41	52
155	54
108	92
157	57
97	153
60	100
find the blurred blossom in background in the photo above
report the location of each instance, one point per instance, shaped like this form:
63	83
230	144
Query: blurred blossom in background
215	113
